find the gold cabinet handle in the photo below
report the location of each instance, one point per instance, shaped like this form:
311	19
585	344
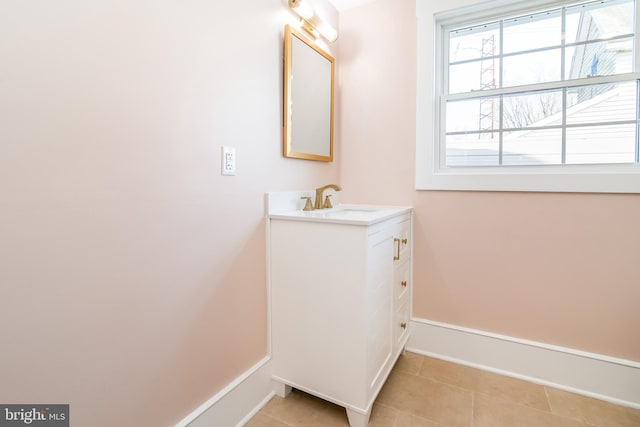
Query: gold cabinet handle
404	241
403	325
403	283
397	243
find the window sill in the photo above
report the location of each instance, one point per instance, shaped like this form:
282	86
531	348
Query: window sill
578	178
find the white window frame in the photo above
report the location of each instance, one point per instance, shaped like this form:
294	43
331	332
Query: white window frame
432	174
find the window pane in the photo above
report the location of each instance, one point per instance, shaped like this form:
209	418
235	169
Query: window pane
600	59
533	31
599	20
531	109
601	144
472	76
602	103
472	150
474	43
535	147
473	115
531	68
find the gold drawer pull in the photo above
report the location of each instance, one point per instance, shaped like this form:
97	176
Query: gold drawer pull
403	325
397	255
403	284
404	241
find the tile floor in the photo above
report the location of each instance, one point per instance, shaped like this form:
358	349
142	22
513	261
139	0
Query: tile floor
426	392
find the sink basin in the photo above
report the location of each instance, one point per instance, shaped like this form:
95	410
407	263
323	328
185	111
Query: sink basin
342	211
358	210
346	214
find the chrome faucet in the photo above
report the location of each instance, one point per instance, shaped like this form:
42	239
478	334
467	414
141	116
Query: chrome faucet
319	193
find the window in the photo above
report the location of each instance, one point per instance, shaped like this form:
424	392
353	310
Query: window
532	96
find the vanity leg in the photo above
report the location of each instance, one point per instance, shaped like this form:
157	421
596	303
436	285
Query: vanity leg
281	389
356	419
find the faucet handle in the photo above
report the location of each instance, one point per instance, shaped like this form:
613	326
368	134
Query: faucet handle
307	206
327	202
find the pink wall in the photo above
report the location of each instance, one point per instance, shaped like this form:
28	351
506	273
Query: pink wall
555	268
132	274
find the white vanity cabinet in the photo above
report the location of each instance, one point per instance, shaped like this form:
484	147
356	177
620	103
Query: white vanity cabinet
340	305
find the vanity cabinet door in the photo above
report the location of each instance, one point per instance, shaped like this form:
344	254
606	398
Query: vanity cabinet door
325	308
379	302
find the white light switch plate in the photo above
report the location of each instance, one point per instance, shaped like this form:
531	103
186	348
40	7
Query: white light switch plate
228	161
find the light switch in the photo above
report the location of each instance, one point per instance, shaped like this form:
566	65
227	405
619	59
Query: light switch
228	161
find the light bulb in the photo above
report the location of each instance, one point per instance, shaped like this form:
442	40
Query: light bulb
301	8
328	32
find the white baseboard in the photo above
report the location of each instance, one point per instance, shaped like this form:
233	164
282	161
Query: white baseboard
602	377
236	403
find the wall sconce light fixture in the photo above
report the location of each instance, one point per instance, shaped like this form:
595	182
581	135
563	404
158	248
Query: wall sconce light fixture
311	23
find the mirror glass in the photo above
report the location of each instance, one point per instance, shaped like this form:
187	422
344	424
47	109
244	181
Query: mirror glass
308	99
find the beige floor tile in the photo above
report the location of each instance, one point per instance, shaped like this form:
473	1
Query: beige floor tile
331	416
428	399
450	373
296	409
263	420
634	416
409	363
383	416
513	390
489	411
408	420
592	411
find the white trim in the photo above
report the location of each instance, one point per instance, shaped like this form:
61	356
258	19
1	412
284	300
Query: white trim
599	376
489	9
581	353
554	85
235	404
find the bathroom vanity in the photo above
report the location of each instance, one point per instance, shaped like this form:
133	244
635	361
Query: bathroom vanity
340	290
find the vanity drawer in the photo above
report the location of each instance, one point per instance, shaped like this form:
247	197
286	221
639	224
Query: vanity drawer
401	240
401	321
401	281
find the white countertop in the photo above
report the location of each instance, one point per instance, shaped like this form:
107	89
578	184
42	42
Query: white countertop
344	214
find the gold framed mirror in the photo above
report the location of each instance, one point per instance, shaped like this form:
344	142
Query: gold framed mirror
308	99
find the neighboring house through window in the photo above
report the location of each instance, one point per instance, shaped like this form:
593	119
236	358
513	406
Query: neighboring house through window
530	96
